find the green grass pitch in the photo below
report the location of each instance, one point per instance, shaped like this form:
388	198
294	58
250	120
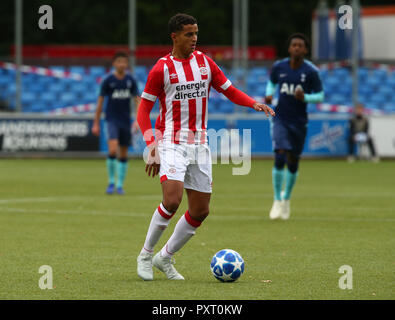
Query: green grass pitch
54	212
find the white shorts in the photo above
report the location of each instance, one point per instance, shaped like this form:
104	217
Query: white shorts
188	163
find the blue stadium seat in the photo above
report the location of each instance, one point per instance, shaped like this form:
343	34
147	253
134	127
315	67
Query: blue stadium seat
224	69
89	78
312	108
363	98
58	68
252	89
56	87
28	78
97	71
331	80
363	73
77	69
373	81
139	69
260	91
337	98
371	105
389	107
365	89
156	106
344	89
213	105
89	97
140	86
340	73
386	90
391	80
260	74
78	87
226	106
38	108
28	97
47	105
5	81
35	87
236	73
347	81
259	71
95	88
9	91
48	97
323	74
67	99
67	82
329	87
7	72
377	99
45	81
379	74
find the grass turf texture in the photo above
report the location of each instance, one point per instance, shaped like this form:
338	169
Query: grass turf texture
55	212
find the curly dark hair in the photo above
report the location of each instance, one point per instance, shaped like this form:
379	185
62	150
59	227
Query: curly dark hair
120	54
177	22
299	35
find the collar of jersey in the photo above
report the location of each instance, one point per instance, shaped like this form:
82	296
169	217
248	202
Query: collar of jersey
182	60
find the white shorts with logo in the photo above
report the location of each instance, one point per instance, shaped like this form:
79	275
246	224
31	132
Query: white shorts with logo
189	163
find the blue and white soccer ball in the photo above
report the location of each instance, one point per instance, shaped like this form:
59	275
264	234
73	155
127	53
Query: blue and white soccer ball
227	265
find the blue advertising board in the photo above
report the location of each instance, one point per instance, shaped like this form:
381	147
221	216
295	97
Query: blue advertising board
326	136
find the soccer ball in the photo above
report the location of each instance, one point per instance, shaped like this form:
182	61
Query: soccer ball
227	265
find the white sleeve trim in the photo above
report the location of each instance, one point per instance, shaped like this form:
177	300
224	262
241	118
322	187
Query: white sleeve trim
148	96
226	85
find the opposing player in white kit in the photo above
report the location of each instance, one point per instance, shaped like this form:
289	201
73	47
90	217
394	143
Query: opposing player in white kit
179	152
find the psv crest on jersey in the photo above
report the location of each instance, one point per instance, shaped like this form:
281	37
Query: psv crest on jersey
203	71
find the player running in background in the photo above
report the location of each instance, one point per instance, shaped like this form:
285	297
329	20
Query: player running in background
299	83
181	81
118	87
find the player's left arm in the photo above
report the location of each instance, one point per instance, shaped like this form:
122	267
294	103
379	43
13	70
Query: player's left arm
240	98
135	93
224	86
135	125
317	92
271	84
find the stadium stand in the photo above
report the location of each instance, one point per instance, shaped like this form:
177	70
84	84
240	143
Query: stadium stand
43	93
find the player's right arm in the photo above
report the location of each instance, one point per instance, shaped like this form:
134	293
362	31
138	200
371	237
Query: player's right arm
153	89
271	86
96	121
270	89
99	107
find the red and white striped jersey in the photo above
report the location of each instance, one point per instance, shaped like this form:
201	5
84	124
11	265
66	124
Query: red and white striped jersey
182	87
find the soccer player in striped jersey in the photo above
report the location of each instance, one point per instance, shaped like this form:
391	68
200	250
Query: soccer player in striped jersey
118	87
299	83
181	81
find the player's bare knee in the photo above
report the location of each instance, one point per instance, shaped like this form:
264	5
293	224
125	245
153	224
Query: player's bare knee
292	158
171	204
200	214
204	214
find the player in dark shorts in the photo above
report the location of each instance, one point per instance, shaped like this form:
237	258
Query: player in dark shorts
117	89
299	83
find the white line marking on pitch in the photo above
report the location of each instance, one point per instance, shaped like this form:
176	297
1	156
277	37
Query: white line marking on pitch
211	217
76	198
